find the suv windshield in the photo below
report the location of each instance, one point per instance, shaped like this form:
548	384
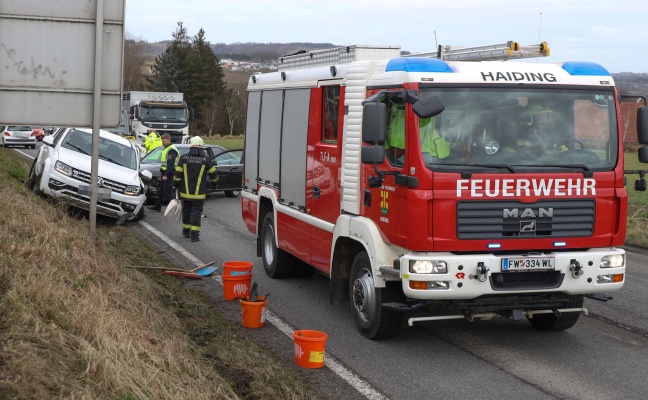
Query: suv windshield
110	151
511	128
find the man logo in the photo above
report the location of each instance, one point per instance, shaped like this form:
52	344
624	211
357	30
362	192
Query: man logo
528	213
527	226
240	288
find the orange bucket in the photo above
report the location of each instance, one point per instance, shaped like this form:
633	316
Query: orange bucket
236	286
253	312
309	348
237	268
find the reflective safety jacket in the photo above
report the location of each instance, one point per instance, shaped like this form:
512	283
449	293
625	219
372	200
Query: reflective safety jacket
152	141
168	160
431	142
190	174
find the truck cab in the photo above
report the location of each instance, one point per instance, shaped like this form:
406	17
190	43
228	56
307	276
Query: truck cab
161	112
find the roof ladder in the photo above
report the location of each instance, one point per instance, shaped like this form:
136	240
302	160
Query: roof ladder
498	52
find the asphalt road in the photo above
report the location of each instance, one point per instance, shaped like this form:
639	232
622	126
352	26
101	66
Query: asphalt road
603	357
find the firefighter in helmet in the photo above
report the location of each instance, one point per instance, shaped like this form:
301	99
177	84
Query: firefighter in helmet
191	179
538	117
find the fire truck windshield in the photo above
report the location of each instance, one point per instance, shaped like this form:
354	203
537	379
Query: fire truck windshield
521	128
157	113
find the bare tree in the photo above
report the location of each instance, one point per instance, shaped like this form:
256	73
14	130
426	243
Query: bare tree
210	117
134	61
234	109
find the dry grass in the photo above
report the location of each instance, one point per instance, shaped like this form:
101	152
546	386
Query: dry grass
74	323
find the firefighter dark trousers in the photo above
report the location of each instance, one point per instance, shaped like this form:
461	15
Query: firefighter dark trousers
191	214
165	192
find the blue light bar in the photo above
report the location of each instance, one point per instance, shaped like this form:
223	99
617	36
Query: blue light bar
560	244
494	245
585	68
417	64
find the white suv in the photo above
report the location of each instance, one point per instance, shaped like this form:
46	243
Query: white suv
62	169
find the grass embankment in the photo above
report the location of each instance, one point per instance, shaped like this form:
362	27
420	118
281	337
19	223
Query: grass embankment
75	323
229	142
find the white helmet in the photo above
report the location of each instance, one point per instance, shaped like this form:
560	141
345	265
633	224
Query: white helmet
196	141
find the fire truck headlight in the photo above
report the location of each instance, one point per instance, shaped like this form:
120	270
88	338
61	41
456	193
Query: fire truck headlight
613	261
428	267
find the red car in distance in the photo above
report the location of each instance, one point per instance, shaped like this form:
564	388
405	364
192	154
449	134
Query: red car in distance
38	132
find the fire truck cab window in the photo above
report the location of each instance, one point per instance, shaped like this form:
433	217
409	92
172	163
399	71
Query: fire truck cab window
518	128
330	108
395	135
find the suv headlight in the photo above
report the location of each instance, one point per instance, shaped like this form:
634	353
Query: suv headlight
132	190
63	168
428	267
613	261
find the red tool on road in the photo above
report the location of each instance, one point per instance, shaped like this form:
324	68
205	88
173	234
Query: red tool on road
190	275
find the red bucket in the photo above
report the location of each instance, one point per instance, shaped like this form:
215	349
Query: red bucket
237	268
309	348
253	312
236	286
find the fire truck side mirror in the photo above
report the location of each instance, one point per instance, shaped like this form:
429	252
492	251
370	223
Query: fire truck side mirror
642	152
374	122
374	154
428	107
642	125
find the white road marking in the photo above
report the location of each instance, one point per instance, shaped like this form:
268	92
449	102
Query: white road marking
24	154
347	375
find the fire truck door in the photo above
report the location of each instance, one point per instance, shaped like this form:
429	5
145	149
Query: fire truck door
324	167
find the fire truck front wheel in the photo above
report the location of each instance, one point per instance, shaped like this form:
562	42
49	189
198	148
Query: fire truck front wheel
550	322
372	320
276	262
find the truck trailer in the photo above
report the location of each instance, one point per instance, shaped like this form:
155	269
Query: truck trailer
161	111
441	185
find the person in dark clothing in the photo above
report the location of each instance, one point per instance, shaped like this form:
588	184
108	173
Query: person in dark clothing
190	178
167	169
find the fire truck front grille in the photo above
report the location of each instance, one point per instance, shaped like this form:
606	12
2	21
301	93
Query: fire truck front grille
526	280
488	220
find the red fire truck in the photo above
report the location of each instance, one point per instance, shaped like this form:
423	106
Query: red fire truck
440	185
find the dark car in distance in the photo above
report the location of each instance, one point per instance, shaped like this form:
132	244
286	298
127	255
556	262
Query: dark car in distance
228	168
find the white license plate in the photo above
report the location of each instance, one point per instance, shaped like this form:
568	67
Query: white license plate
528	263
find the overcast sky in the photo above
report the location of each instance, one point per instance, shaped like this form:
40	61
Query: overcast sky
611	33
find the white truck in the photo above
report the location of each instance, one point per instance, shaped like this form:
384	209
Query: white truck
162	111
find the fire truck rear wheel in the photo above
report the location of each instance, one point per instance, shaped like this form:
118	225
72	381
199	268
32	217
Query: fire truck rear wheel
276	262
549	322
372	320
